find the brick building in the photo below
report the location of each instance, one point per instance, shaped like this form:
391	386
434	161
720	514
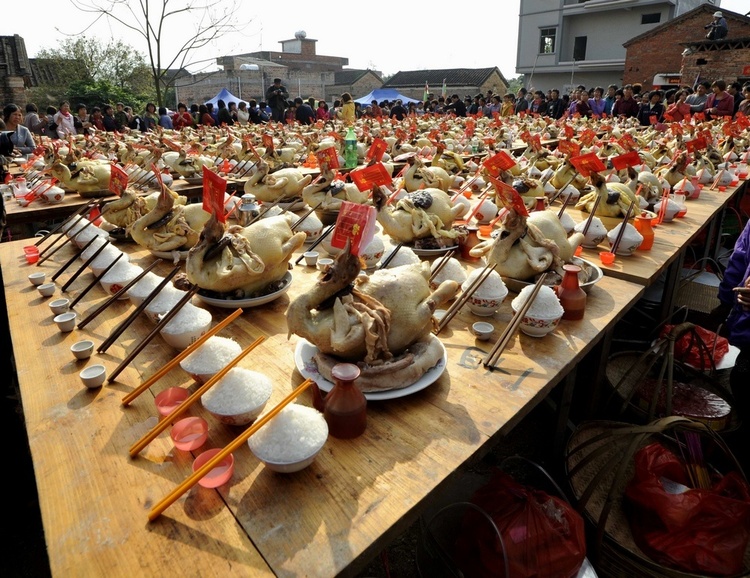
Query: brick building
15	72
677	51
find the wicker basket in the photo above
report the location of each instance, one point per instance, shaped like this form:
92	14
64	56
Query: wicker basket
599	464
630	374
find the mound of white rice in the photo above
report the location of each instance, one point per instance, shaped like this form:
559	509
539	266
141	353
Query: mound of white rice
144	287
122	273
91	249
165	300
596	228
74	226
88	233
189	318
239	391
491	288
451	271
293	435
546	305
211	357
405	256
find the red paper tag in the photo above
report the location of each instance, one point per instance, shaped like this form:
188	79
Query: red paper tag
118	180
525	136
653	119
668	117
328	156
214	188
699	116
508	197
627	142
696	144
401	134
676	128
569	131
536	143
588	163
569	147
377	149
375	174
627	160
501	161
470	127
267	141
587	136
742	120
356	225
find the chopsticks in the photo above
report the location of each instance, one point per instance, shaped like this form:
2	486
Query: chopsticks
57	227
73	258
138	310
82	268
385	262
591	215
159	326
317	242
621	232
458	303
298	222
175	360
441	263
117	295
478	206
185	405
96	279
494	355
173	496
565	204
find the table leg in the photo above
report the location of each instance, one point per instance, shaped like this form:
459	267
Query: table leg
563	411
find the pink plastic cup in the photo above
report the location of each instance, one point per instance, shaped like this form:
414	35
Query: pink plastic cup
168	400
189	433
31	253
220	474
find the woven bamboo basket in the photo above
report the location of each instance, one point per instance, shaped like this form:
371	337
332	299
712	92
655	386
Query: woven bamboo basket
639	380
599	464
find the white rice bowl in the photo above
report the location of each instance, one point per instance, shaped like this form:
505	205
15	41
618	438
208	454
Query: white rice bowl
210	358
543	315
596	234
488	296
239	397
187	326
105	258
163	302
451	271
291	440
138	292
75	226
91	249
120	275
405	256
89	233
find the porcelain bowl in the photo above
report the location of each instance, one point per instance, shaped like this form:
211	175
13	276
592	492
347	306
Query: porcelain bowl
536	326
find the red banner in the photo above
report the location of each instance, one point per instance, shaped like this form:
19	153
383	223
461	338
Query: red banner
696	144
588	163
569	147
377	149
214	188
630	159
368	177
356	225
587	136
118	180
627	142
328	156
267	141
508	197
502	161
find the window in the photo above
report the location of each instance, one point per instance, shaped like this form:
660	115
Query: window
654	18
547	40
579	48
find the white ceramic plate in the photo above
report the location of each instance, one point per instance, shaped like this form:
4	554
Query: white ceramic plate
303	359
251	302
193	180
432	252
171	255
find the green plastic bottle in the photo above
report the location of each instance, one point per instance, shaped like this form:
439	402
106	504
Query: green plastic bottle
350	149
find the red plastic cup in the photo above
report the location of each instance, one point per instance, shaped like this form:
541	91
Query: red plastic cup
168	400
31	253
189	434
579	251
485	230
722	188
606	257
219	475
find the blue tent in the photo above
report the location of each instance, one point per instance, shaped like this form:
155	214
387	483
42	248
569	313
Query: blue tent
224	95
381	94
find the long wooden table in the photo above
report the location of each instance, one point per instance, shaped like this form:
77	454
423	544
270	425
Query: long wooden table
329	519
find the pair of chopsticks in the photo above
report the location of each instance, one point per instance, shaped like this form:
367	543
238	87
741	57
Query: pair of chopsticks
591	215
299	221
138	310
136	448
95	280
441	263
176	360
497	350
465	295
62	223
621	232
83	267
385	262
75	256
159	326
317	242
231	447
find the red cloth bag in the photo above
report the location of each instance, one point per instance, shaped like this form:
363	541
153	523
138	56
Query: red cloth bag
543	535
702	531
688	349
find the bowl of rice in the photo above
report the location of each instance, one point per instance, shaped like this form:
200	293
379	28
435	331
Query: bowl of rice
451	271
105	258
239	397
291	440
488	297
187	326
163	302
210	358
88	233
138	292
118	276
543	315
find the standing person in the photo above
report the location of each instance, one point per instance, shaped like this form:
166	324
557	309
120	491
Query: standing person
224	117
121	117
257	116
538	105
233	111
81	120
582	104
347	112
555	106
19	135
51	129
697	100
304	114
508	104
64	121
194	109
745	104
653	107
720	103
97	118
376	110
521	104
609	100
214	112
33	121
205	115
627	106
276	97
735	89
718	27
165	121
182	118
150	118
243	116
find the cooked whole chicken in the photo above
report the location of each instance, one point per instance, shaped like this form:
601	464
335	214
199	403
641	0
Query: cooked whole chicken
278	186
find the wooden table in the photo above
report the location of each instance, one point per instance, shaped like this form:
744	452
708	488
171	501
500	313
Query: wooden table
329	519
670	243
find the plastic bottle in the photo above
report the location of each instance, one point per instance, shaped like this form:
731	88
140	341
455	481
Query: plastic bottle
350	149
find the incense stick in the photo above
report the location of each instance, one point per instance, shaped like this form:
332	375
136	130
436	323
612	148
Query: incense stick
233	446
159	326
176	360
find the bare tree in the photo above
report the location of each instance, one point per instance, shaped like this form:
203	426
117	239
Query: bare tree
155	20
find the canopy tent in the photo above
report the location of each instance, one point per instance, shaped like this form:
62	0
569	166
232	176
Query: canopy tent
224	95
381	94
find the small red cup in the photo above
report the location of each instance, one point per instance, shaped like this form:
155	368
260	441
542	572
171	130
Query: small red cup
606	257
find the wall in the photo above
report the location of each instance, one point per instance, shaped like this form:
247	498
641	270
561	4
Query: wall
662	51
725	64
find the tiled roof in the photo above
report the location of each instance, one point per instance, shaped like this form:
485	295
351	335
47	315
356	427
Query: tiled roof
452	77
344	77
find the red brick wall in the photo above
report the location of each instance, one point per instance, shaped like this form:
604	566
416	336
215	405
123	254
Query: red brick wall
662	52
726	64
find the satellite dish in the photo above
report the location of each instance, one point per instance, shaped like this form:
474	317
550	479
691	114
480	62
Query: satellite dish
300	35
249	67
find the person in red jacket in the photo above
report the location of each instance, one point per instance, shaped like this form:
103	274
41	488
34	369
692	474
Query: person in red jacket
182	118
720	103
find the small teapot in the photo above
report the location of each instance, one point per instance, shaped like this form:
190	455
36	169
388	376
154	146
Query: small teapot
345	406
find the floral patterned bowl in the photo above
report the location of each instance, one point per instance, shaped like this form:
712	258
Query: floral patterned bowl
539	326
486	306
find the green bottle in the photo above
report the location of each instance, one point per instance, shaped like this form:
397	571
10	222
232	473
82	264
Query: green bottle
350	149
